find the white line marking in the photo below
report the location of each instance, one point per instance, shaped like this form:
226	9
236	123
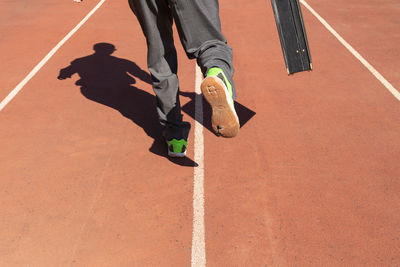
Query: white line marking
379	76
35	70
198	238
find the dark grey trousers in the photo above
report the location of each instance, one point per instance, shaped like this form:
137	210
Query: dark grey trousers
199	29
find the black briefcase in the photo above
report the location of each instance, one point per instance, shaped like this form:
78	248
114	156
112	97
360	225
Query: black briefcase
292	35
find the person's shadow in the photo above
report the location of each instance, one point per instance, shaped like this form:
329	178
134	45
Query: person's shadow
110	80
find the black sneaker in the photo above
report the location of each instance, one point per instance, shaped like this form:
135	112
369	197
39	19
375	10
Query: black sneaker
177	148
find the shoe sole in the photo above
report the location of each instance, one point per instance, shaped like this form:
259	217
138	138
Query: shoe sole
224	119
176	155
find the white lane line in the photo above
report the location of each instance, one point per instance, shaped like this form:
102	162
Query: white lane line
379	76
35	70
198	237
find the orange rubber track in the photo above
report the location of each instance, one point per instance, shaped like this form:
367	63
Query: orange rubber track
312	179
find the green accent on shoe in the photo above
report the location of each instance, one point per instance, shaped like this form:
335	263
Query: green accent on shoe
177	146
220	74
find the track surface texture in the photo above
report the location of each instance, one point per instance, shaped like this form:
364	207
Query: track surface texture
312	178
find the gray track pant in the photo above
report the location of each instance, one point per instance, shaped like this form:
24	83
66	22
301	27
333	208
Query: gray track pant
199	30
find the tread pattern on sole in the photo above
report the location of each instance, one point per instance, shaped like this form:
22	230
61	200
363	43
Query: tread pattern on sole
223	119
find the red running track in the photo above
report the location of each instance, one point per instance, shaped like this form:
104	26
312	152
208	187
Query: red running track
311	179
